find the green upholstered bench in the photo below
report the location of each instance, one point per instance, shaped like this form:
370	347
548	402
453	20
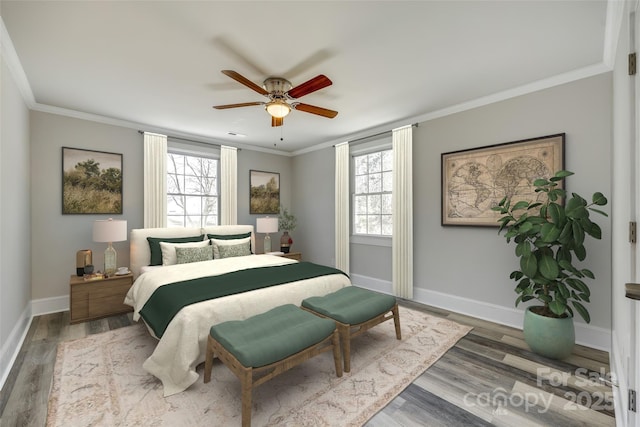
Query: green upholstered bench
268	344
354	308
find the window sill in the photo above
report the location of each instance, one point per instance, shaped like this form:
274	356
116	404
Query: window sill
359	239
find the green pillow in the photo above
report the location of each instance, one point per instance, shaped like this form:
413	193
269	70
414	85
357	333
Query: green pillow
187	255
156	251
228	236
231	237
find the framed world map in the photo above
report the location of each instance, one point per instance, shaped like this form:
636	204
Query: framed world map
475	180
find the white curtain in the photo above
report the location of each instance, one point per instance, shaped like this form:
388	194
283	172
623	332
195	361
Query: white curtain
155	180
342	207
402	245
228	185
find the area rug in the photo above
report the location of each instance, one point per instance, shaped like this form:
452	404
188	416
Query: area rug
99	381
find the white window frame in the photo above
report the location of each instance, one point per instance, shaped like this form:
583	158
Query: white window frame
374	145
195	150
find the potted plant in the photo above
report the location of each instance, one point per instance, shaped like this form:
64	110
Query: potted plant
549	237
286	222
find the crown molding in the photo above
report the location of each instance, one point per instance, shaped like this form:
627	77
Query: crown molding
149	128
615	14
536	86
10	56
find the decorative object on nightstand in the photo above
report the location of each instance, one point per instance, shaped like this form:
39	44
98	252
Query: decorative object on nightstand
110	231
285	242
286	222
267	225
84	258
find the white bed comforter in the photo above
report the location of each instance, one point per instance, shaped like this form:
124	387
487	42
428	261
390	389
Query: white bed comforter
183	344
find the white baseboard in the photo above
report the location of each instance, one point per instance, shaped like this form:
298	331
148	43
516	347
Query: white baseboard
49	305
587	335
11	348
621	386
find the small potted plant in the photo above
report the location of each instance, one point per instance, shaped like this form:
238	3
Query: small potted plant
286	222
549	237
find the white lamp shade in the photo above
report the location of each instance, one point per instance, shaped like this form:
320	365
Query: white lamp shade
109	230
267	225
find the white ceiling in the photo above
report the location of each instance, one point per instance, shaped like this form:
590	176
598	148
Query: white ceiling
157	65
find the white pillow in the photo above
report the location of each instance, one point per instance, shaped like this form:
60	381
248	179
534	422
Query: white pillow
230	242
169	250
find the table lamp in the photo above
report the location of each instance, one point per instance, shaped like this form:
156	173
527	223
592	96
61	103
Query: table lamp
267	225
110	231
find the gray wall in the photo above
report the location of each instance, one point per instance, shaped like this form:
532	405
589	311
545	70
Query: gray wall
255	160
472	262
314	206
57	238
15	215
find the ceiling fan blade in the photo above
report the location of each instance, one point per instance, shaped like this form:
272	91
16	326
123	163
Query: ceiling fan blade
277	121
315	110
244	104
309	86
245	81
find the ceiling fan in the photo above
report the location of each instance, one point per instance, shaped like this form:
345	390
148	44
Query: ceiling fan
280	91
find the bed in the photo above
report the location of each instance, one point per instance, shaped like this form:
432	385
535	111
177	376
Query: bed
182	345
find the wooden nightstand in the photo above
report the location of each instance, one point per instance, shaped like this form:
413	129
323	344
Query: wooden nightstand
293	255
93	299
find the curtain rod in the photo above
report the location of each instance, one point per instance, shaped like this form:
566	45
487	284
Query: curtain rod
192	140
355	141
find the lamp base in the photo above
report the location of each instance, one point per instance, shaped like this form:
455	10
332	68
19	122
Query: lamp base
110	258
267	244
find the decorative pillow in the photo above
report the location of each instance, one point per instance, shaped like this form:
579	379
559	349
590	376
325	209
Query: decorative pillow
187	255
156	251
228	251
231	237
169	250
228	236
217	244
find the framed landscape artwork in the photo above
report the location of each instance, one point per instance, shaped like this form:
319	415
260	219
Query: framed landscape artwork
264	189
475	180
91	182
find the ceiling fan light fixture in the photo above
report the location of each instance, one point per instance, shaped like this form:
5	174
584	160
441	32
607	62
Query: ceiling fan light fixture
278	109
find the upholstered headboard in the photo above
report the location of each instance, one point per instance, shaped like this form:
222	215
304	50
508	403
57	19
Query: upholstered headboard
140	254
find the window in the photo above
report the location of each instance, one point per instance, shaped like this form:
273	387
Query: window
192	190
373	192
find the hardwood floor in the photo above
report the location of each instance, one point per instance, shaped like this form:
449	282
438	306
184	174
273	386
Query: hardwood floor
488	378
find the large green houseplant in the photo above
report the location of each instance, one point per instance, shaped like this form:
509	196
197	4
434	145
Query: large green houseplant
549	237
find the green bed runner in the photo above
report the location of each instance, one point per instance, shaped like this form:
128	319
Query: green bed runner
168	300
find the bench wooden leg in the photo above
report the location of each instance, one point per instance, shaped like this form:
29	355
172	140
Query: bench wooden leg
396	321
246	374
208	361
337	360
246	382
345	335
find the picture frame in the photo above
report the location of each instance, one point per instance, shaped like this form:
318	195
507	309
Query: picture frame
264	192
91	182
475	180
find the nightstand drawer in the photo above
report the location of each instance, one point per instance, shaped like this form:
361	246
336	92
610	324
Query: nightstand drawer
98	298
